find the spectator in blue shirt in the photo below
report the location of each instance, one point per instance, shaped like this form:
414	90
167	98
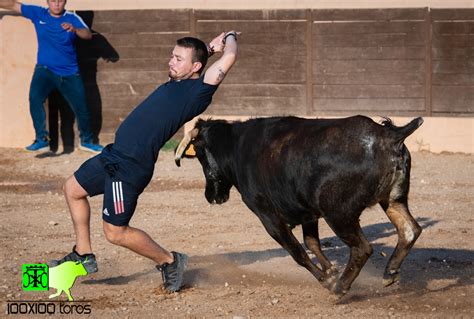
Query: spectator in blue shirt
56	67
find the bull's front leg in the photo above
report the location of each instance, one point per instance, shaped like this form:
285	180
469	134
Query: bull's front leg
279	231
311	240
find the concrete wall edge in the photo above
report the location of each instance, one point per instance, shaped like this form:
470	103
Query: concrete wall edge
436	134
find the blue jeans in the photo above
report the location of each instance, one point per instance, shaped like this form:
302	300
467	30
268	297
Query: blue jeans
71	88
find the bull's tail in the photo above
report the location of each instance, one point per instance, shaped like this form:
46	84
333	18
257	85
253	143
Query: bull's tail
400	133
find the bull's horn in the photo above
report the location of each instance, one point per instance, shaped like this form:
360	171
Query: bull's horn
183	145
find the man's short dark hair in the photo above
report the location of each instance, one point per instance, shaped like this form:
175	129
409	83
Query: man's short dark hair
200	53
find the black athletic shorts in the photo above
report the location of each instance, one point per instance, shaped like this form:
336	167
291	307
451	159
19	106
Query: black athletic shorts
98	176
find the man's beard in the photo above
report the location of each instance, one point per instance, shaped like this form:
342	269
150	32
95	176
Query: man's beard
173	76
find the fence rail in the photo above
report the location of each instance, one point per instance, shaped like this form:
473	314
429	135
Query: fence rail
415	61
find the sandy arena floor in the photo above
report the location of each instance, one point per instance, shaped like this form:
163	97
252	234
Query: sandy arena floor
236	269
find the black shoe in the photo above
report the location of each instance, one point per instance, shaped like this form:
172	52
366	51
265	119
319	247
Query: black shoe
68	150
172	274
87	260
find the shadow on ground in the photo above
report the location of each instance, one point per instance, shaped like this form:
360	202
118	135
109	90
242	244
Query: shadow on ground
421	266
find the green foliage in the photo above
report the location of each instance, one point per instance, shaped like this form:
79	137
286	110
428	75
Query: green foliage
170	146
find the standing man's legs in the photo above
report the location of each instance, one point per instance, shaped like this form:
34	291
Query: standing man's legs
53	119
67	126
42	84
72	89
56	103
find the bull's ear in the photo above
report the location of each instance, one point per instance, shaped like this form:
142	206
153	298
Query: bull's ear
190	152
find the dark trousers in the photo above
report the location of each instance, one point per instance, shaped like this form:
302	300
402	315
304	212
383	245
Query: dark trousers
71	88
60	112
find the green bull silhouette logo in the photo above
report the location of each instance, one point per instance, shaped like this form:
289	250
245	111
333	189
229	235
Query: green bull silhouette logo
62	277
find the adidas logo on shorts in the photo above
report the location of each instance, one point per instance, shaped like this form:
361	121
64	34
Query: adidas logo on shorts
106	212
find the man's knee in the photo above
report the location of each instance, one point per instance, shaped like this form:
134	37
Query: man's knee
72	188
37	97
114	234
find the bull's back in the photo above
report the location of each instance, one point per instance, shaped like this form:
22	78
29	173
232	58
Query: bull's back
305	167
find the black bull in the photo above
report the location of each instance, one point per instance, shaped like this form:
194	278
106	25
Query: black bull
292	171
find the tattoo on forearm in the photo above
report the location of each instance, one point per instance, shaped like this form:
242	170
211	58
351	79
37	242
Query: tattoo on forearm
221	75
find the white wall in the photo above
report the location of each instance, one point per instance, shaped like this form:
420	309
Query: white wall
17	59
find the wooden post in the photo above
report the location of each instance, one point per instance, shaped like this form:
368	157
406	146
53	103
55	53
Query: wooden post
428	62
192	23
309	63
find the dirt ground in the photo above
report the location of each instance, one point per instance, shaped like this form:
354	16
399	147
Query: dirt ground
235	268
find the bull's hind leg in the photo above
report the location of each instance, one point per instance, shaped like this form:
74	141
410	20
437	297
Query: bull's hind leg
351	234
311	240
283	235
408	231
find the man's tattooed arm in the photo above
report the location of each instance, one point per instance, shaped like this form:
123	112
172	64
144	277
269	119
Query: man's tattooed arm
216	73
221	75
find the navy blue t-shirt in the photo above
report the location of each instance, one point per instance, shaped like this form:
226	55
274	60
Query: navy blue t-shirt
56	48
146	129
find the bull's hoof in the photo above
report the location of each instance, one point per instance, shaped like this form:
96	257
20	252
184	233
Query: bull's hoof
332	284
331	271
335	298
338	290
390	279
